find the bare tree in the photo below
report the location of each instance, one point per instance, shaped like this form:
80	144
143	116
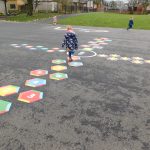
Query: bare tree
36	3
98	3
29	7
113	5
132	4
145	3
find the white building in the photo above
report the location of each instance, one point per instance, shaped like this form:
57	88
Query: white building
2	7
88	2
45	5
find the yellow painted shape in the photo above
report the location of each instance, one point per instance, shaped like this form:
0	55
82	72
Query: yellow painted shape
7	90
147	61
112	58
58	68
125	58
114	55
137	62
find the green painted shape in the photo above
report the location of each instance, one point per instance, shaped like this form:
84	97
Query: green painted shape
59	61
4	105
87	49
61	50
59	75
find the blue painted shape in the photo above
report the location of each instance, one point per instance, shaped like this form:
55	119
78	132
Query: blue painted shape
36	82
44	48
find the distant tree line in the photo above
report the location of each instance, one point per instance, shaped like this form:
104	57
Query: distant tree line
77	5
131	5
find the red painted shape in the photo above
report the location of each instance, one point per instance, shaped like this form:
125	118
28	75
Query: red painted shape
30	96
38	72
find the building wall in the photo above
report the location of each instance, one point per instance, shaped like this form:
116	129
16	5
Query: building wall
2	7
12	5
148	8
15	4
90	4
47	6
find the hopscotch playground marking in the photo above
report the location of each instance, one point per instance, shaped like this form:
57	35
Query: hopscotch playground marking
116	57
58	65
98	43
31	96
82	29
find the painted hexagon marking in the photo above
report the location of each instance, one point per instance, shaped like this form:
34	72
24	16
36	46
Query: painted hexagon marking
137	62
29	46
8	90
104	43
62	50
30	96
58	61
87	49
36	82
39	46
75	64
112	58
24	44
13	44
55	48
51	51
76	58
4	106
137	58
58	76
108	40
102	55
84	46
125	58
92	42
39	72
44	48
58	68
147	61
114	55
33	48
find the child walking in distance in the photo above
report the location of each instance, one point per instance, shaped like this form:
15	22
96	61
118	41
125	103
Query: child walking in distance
130	24
54	20
71	42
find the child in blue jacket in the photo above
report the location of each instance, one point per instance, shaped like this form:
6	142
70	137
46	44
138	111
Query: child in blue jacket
71	42
131	23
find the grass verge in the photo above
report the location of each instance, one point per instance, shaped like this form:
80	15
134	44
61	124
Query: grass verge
25	18
99	19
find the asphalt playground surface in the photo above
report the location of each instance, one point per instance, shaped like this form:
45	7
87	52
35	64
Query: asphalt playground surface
102	105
